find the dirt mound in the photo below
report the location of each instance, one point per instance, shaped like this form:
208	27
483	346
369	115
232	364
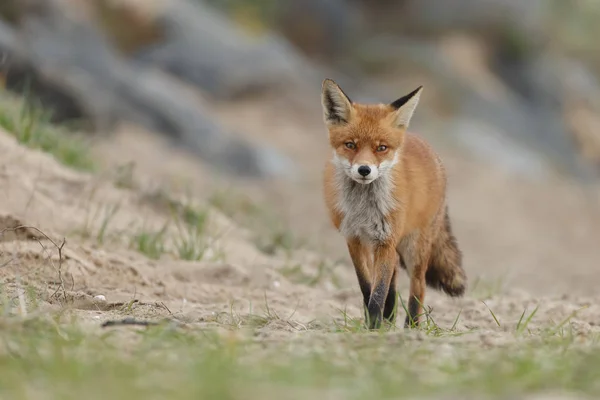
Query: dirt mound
106	245
83	242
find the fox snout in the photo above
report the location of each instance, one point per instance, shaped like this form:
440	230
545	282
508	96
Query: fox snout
364	172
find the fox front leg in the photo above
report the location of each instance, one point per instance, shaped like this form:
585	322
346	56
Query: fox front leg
360	259
383	271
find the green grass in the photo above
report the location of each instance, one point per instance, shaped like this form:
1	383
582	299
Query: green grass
150	243
42	359
30	125
192	240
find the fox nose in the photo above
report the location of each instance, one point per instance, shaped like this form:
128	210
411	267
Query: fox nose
364	170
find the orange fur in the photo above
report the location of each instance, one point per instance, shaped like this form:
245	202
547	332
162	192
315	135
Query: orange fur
398	220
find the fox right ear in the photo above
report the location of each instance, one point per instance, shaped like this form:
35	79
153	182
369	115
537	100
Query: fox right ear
405	107
337	107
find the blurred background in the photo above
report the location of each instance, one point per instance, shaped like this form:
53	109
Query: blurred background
222	97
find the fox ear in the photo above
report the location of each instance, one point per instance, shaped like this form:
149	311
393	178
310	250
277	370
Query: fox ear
405	107
337	107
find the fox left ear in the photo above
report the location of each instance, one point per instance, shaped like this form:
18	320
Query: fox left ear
405	107
337	106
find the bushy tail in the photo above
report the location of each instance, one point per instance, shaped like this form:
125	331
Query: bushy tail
445	271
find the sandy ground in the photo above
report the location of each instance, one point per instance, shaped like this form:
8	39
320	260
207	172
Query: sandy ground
526	244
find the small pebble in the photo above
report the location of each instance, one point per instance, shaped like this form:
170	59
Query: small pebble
100	298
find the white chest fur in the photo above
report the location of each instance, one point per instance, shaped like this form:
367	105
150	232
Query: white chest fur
365	208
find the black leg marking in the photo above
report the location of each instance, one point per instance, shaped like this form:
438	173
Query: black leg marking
365	288
376	304
390	309
413	309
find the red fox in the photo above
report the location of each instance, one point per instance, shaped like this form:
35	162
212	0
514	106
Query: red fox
385	190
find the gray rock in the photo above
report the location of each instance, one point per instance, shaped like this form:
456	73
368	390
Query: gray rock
70	58
203	47
533	123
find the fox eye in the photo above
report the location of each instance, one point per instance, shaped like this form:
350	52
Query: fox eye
350	145
382	148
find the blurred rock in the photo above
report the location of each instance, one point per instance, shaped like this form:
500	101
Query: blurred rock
324	29
10	10
484	17
203	47
78	72
129	24
563	92
477	14
533	122
490	144
21	76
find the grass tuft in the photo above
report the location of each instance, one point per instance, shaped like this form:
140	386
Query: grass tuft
192	243
492	313
30	125
150	243
522	325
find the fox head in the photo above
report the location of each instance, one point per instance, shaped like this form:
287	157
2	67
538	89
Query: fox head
366	138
